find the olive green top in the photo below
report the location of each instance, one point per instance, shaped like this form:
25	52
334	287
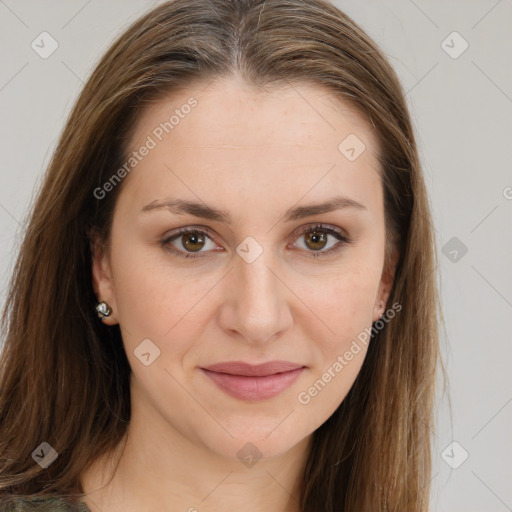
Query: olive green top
42	504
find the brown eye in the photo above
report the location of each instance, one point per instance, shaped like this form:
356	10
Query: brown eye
315	240
193	241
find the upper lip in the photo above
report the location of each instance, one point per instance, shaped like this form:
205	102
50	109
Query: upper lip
250	370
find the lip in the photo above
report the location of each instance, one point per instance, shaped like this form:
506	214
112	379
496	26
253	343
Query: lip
254	382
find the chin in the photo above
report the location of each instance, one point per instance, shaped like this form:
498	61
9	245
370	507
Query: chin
259	440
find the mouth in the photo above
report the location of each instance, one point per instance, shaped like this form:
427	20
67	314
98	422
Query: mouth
254	382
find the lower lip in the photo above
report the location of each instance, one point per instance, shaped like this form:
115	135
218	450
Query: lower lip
254	388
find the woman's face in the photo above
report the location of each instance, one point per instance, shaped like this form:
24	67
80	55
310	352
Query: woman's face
250	284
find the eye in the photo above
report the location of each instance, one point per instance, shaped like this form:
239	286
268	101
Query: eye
194	240
316	239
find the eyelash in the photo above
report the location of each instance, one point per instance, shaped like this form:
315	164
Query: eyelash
344	240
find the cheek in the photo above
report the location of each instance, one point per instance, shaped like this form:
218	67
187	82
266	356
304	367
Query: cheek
343	305
346	308
151	298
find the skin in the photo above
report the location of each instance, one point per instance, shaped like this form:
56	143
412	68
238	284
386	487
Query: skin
255	154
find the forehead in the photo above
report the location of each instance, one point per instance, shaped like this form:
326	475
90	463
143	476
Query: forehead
286	139
227	107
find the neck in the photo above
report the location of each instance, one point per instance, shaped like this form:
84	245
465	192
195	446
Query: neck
158	468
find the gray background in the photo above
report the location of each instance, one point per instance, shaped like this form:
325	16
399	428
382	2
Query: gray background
462	111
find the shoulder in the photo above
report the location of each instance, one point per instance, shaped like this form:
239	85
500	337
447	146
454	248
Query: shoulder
41	504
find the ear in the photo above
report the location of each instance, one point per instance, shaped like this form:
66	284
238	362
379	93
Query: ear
386	285
103	283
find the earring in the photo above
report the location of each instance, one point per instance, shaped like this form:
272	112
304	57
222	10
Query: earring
103	309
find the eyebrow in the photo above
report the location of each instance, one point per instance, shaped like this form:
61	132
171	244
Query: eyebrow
201	210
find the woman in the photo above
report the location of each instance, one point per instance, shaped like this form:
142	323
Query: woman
226	295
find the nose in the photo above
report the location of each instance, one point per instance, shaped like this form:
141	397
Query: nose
256	307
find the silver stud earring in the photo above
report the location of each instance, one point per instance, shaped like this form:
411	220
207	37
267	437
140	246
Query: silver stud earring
103	309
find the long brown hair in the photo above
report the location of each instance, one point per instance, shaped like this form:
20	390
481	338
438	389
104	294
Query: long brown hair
65	376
